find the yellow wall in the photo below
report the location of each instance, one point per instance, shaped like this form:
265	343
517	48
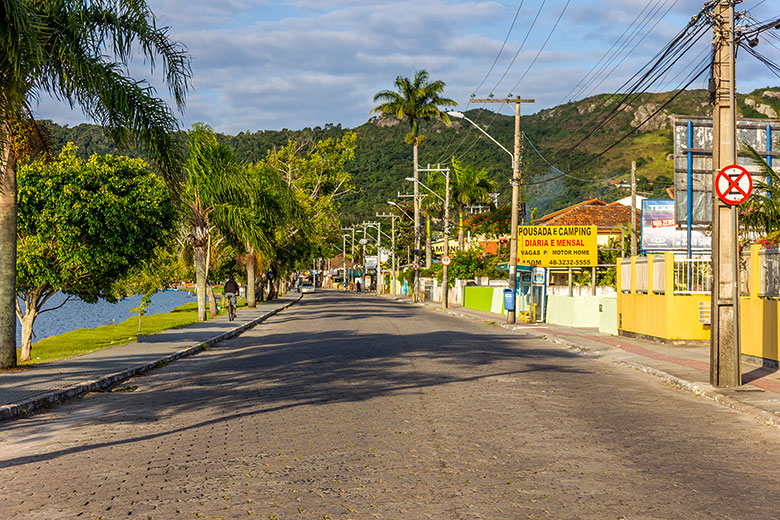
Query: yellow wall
760	318
676	317
666	316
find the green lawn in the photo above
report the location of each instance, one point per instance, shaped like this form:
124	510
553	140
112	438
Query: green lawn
81	341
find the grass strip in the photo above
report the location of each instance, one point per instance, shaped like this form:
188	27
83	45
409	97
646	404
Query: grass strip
82	341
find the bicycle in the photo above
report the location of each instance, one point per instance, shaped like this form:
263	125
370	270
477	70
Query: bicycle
231	308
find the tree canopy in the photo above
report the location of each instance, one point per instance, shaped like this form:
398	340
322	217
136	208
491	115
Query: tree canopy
82	226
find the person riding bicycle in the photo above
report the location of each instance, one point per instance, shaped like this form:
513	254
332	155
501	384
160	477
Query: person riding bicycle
231	291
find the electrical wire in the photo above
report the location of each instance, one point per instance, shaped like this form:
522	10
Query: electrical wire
511	27
604	75
701	71
542	47
522	46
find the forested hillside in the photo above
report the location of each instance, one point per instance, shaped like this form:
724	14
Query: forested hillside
383	159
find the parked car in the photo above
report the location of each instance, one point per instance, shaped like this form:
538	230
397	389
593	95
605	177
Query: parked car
307	287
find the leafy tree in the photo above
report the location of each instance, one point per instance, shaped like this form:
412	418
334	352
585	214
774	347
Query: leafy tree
82	225
316	172
469	186
414	100
78	51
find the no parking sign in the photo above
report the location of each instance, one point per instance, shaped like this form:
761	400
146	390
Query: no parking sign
733	184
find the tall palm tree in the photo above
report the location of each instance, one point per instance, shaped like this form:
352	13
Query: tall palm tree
415	100
61	48
469	186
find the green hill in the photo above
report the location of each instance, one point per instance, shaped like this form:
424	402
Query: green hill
383	159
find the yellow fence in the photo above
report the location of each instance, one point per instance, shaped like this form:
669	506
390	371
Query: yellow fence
659	312
651	307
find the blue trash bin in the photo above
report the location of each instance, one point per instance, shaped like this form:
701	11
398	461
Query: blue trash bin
509	300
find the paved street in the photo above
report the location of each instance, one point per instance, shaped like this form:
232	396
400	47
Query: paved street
351	406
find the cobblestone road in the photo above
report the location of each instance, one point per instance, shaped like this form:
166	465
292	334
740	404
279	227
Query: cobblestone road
349	406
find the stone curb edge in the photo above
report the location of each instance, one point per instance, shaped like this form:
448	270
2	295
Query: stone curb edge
761	415
12	411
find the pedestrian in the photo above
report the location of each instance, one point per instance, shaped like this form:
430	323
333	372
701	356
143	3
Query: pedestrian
357	285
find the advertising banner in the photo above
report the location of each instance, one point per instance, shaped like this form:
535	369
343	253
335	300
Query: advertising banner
557	246
660	231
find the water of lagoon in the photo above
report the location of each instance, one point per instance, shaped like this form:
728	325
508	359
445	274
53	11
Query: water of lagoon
77	314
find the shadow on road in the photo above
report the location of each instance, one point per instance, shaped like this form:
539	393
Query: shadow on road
331	354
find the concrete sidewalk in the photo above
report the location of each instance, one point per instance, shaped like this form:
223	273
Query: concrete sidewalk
25	390
686	366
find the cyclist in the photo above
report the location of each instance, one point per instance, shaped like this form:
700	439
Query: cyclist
231	292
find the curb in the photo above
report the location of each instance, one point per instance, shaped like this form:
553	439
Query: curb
706	391
12	411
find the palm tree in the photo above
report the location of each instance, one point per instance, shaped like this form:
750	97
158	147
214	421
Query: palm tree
415	100
469	186
60	48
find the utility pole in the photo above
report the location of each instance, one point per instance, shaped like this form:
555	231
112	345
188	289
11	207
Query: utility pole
445	287
516	197
352	266
725	363
392	239
633	208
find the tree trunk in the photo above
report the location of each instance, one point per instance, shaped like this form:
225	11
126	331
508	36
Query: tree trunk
27	329
8	203
428	249
261	292
461	232
201	255
212	301
251	300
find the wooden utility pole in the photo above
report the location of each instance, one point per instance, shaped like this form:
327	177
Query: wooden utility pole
392	240
725	363
445	287
516	196
633	208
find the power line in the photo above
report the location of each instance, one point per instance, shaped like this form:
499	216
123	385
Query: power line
522	46
517	13
543	46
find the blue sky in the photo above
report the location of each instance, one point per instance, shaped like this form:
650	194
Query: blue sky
265	64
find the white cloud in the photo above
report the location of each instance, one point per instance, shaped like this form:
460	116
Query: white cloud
268	64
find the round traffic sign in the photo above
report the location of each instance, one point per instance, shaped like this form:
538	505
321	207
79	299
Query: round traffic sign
446	260
733	184
415	266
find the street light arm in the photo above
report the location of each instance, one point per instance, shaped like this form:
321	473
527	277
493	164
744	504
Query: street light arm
400	209
412	179
460	115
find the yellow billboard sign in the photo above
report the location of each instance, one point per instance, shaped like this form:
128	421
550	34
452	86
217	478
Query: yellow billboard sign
557	246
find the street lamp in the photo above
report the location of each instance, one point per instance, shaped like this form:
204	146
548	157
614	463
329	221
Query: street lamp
510	316
399	208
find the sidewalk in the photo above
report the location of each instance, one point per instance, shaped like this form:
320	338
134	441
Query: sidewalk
26	390
686	366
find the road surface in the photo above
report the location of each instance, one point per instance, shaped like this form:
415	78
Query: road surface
352	406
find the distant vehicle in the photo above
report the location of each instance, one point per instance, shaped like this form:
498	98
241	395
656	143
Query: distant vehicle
307	287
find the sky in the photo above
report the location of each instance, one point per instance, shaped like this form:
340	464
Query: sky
269	65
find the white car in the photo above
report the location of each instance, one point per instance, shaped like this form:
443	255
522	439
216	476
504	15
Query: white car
307	287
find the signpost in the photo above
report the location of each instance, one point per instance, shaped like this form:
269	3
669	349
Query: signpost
733	184
558	246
